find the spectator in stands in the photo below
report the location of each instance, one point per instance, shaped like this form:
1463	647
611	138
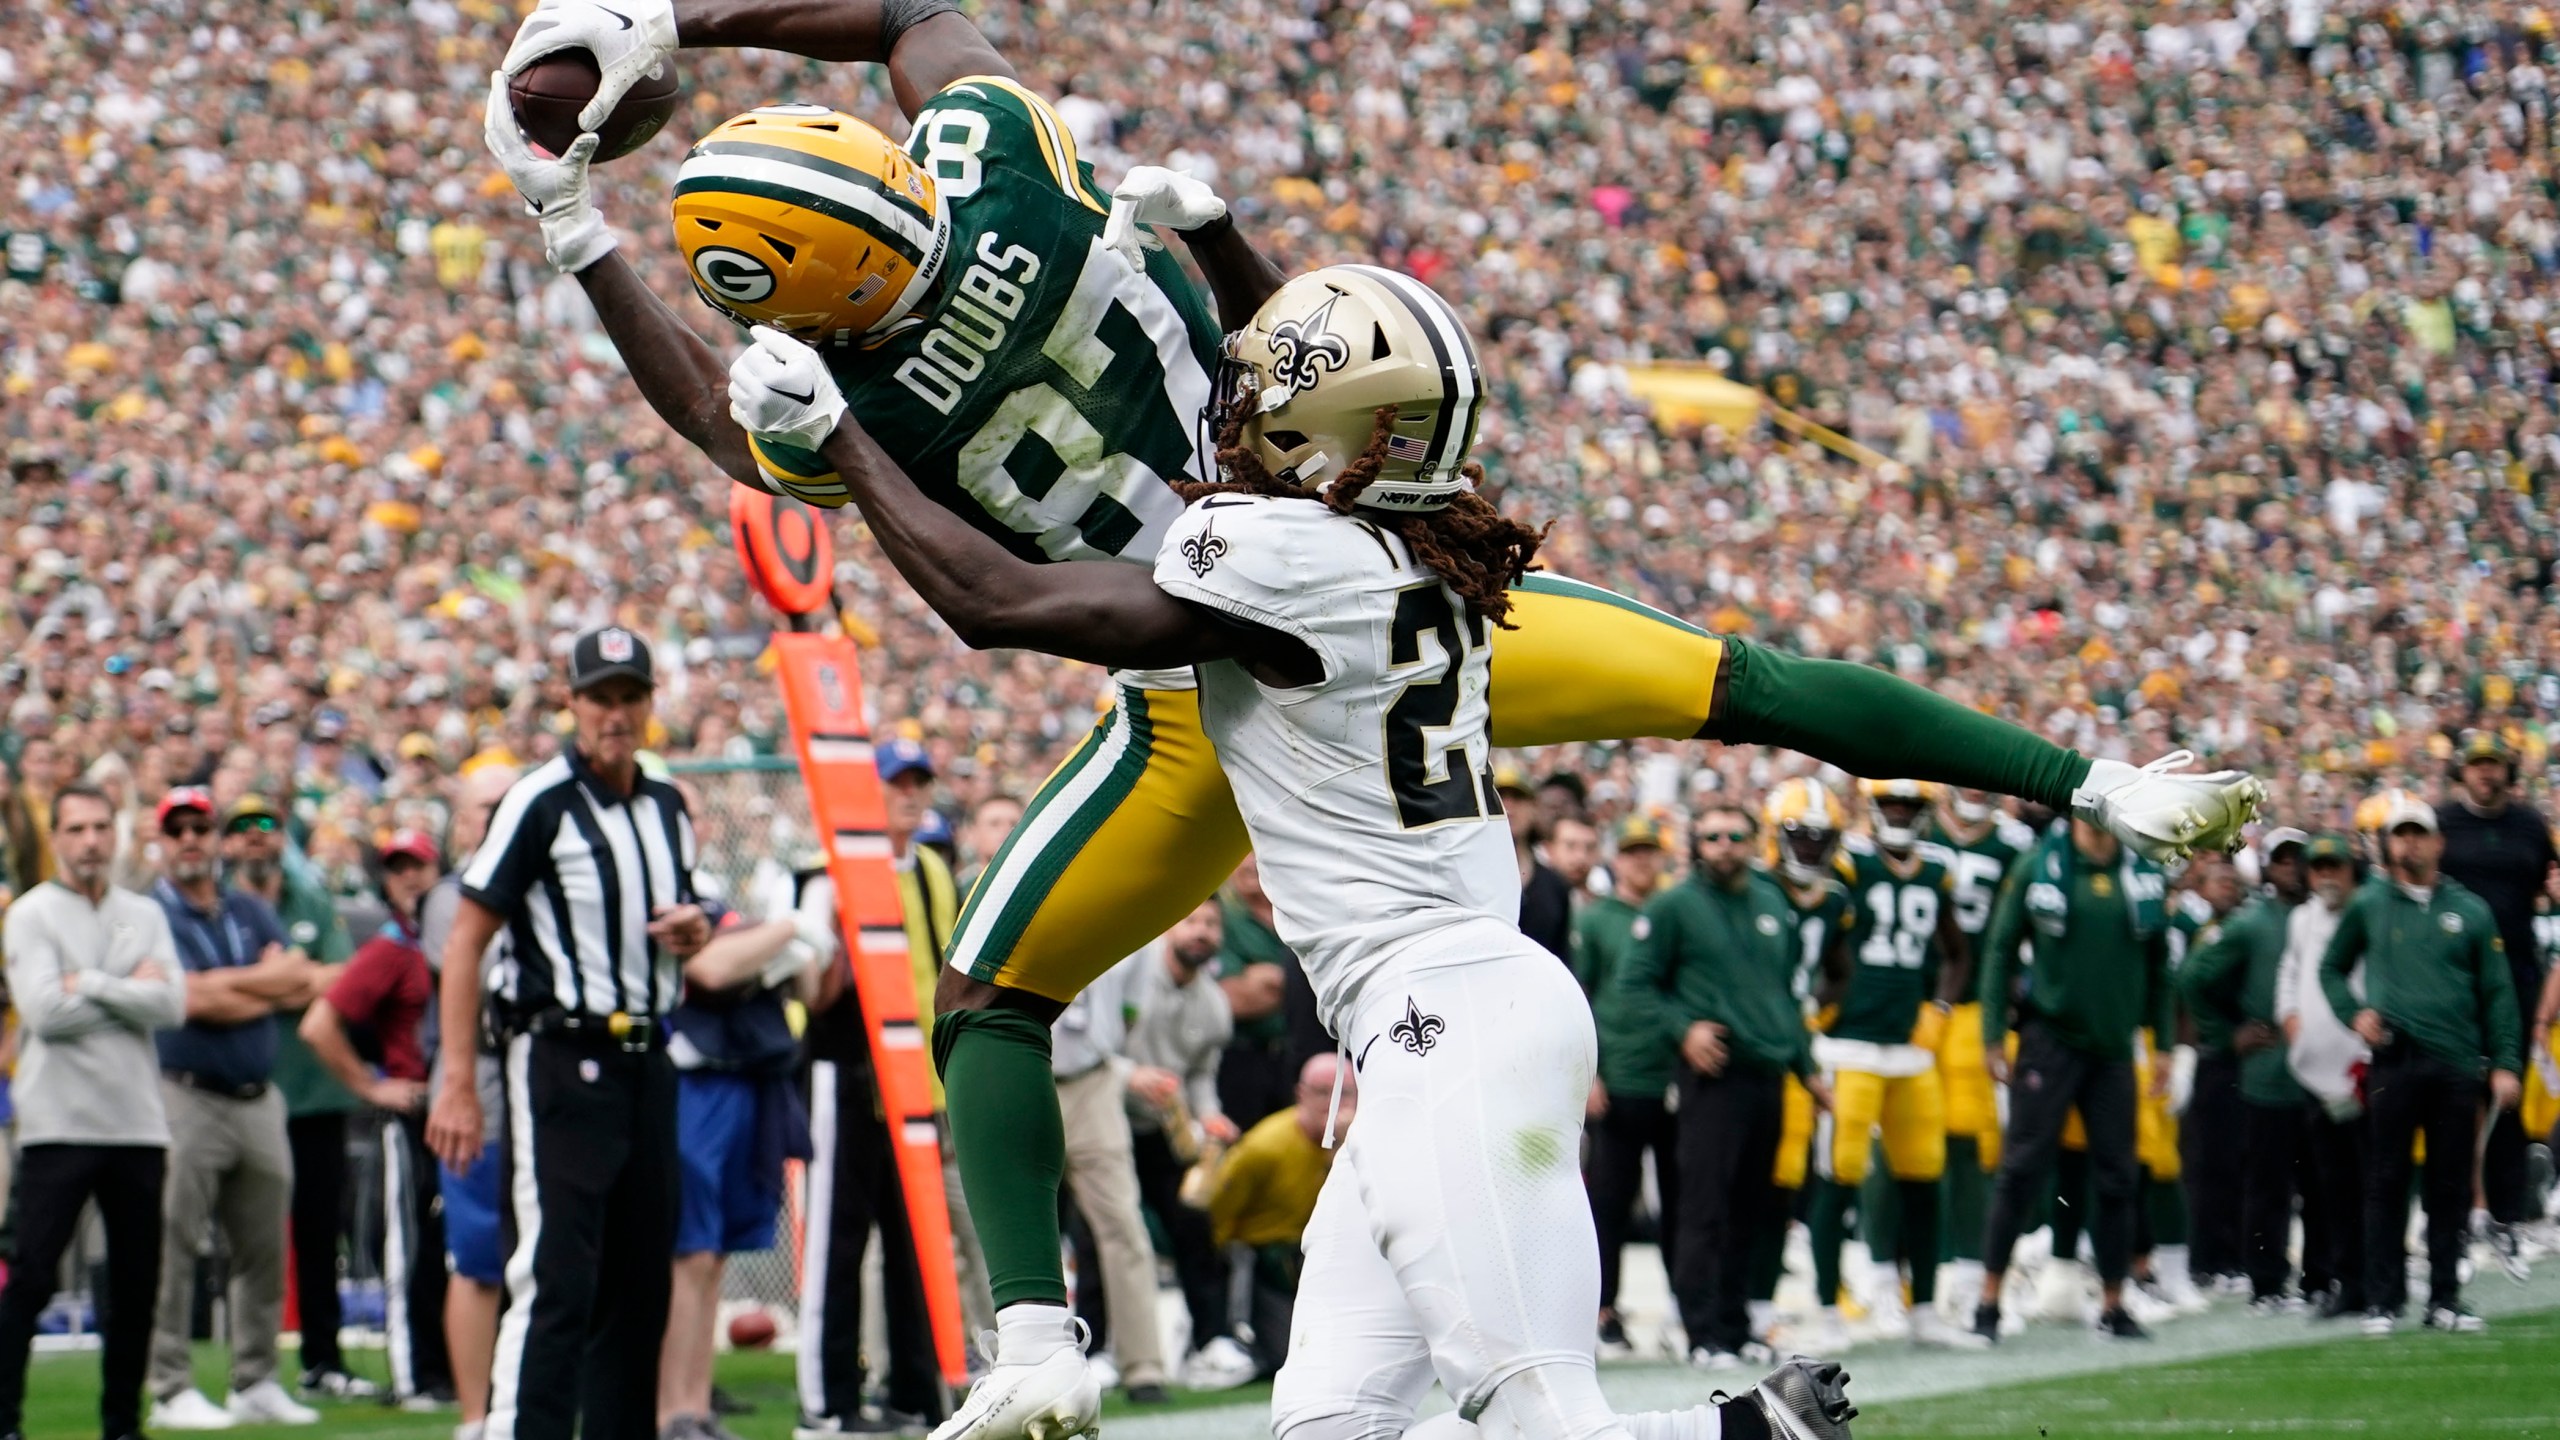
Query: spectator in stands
2439	1010
990	821
2096	915
93	972
2499	847
1546	900
1629	1112
1716	967
2230	980
2326	1058
1180	1027
468	1200
1266	1189
316	1104
1254	968
229	1160
1573	851
366	1031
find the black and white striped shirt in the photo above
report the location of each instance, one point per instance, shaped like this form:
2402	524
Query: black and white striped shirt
575	871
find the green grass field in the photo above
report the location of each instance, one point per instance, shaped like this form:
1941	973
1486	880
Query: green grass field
2502	1384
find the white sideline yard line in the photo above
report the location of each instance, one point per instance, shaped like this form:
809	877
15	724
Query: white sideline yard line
1886	1371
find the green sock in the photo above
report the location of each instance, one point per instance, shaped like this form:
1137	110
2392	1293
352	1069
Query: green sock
2167	1202
1879	1210
1833	1203
1967	1192
1870	722
1919	1200
1012	1147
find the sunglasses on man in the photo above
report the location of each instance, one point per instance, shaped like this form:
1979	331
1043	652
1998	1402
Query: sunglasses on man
187	829
263	824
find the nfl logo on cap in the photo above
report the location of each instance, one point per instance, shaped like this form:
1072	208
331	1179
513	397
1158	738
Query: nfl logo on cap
615	646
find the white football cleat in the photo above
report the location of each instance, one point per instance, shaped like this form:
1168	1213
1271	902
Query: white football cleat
1054	1398
1933	1331
2163	813
1824	1337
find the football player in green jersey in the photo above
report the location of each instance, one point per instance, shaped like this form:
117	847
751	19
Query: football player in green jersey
1880	1051
1985	842
1804	822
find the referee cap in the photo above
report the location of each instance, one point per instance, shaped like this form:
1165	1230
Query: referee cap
609	653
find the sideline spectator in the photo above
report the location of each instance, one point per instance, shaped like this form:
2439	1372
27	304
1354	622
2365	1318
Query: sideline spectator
93	971
2326	1057
382	996
1629	1112
1256	971
316	1103
1180	1027
2439	1010
229	1160
1087	1057
1266	1189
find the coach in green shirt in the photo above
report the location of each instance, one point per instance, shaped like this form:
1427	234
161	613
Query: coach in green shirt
2439	1010
2097	916
1715	967
1628	1113
2229	981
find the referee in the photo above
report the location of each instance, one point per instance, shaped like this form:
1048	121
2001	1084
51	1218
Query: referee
588	867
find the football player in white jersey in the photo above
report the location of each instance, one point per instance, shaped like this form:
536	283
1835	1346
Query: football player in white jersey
1338	618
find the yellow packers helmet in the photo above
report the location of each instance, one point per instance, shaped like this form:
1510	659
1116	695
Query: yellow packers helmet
1803	820
1970	807
1890	834
1326	352
810	221
2372	812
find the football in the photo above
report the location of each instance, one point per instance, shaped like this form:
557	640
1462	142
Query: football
549	93
751	1329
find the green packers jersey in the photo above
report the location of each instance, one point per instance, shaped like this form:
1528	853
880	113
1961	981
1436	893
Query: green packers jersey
1898	958
1980	866
1827	915
1044	390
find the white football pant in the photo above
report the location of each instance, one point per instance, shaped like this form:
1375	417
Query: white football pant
1453	1239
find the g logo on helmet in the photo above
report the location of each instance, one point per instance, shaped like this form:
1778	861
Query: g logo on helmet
733	275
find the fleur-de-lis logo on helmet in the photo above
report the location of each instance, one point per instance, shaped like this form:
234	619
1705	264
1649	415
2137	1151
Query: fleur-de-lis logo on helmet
1416	1032
1302	348
1201	551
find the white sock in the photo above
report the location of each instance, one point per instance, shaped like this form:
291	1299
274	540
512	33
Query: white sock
1028	1334
1701	1422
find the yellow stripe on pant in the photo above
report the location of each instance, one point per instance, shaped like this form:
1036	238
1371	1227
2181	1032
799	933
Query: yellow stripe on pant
1138	826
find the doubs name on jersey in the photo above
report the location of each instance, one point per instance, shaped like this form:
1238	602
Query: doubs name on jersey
973	326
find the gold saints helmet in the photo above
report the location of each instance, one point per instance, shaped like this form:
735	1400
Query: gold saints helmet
1803	820
810	221
1330	348
1911	797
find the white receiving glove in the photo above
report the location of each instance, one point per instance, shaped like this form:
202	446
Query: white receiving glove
780	388
814	942
574	234
629	38
2164	814
1153	195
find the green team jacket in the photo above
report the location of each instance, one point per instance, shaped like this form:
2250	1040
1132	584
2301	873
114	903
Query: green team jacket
2434	970
2101	936
1636	1059
1709	953
2229	979
312	925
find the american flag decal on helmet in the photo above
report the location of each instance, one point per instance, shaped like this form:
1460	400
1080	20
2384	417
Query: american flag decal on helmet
1406	447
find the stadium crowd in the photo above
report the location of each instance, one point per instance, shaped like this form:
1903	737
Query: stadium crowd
2188	371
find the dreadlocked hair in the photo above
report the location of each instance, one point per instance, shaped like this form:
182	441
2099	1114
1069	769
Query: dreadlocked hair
1476	550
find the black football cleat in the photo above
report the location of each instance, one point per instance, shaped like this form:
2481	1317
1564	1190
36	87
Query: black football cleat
1803	1399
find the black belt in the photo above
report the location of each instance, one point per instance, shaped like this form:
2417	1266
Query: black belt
210	1086
630	1034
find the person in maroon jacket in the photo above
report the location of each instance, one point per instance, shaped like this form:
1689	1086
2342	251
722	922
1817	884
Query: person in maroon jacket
366	1030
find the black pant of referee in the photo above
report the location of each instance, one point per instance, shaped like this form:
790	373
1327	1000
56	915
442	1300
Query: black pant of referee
855	1187
590	1176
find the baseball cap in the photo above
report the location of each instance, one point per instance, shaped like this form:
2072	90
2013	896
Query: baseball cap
416	844
1638	830
1511	780
2328	847
250	807
933	829
2483	745
184	797
2407	809
899	757
609	653
2280	837
329	724
417	745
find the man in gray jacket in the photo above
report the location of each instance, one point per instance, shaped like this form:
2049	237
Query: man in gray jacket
94	971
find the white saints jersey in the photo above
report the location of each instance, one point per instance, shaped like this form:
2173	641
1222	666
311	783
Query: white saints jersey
1368	795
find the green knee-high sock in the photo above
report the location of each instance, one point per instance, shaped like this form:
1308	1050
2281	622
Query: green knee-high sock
1834	1206
1920	1236
1967	1192
1769	1247
1011	1145
1879	1212
2167	1202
